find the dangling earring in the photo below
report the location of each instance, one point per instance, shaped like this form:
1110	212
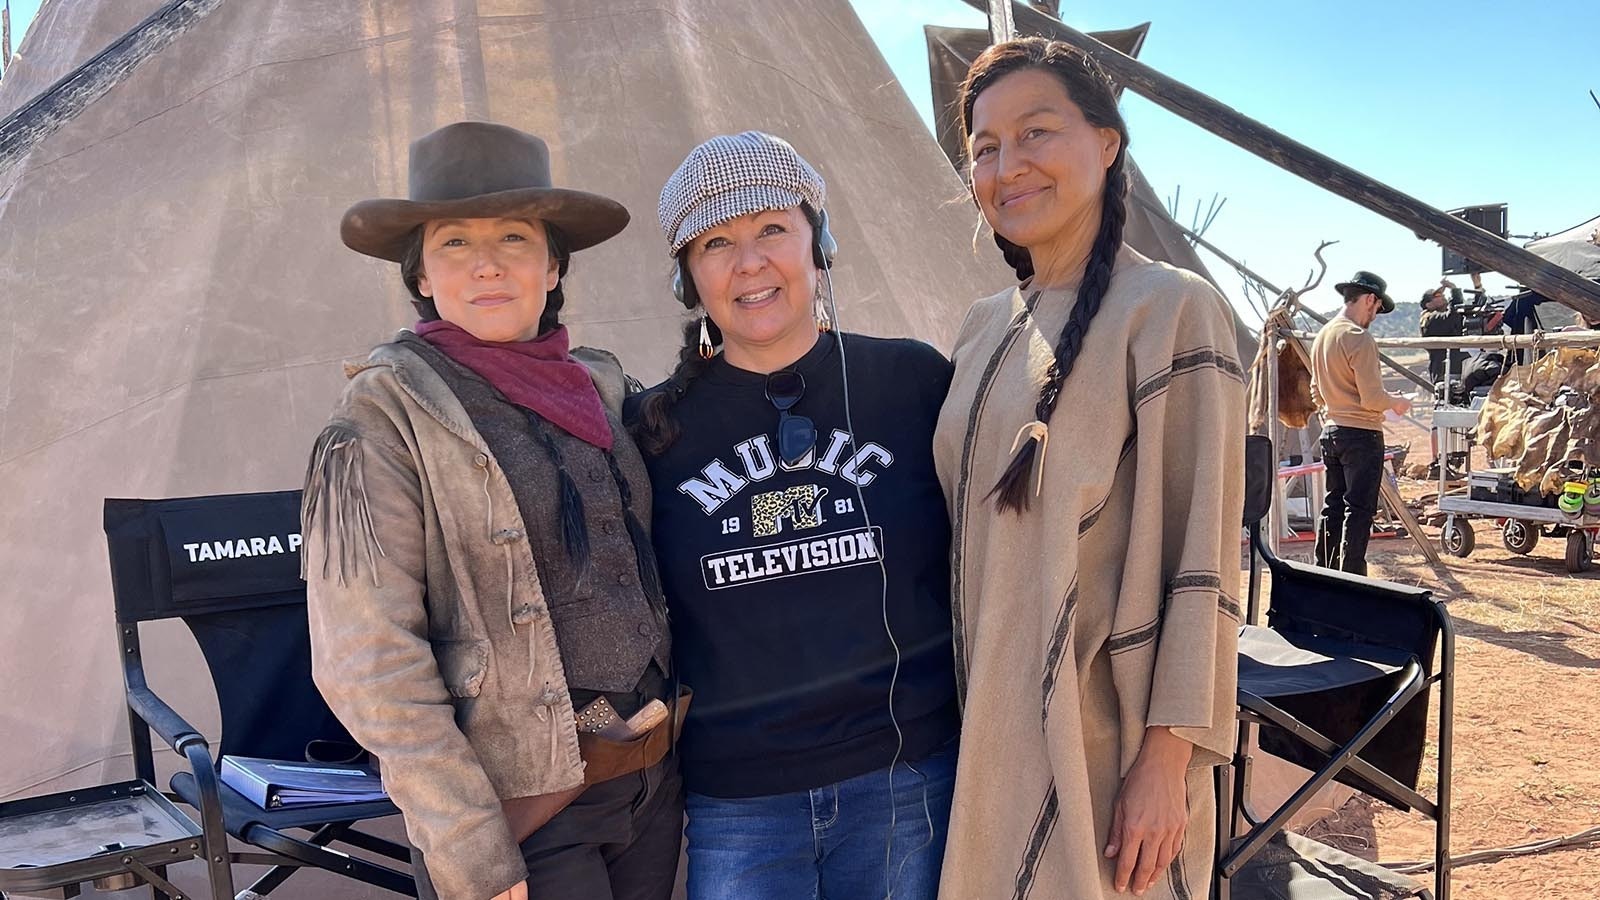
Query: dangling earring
820	311
706	350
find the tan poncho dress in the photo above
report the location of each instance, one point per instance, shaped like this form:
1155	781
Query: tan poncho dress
1112	603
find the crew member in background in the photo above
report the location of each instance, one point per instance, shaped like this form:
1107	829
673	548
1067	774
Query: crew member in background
1347	387
1442	317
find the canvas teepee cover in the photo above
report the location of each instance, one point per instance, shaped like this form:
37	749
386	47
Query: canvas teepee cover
178	303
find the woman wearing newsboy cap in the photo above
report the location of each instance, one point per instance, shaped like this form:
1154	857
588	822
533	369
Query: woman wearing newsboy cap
795	524
486	616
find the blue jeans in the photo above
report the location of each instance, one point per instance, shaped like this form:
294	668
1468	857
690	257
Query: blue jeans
829	843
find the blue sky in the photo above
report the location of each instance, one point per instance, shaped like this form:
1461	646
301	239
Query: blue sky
21	14
1455	103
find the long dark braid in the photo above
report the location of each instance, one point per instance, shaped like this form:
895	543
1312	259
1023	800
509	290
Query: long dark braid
1011	492
1089	88
656	428
1016	257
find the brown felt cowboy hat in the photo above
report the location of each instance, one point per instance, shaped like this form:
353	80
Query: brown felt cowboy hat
478	170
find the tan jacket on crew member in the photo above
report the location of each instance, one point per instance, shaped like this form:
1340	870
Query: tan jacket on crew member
1346	378
430	632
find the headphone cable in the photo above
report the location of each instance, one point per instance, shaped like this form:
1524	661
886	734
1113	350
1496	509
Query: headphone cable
888	629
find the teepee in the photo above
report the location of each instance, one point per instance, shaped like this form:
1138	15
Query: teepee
179	304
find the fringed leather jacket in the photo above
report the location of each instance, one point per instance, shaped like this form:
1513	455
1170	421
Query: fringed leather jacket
430	632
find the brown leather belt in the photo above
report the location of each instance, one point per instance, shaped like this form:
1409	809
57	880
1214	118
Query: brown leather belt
605	759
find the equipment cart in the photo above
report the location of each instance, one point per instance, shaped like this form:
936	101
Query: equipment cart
1520	524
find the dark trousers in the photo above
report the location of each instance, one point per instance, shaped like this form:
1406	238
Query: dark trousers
620	840
1354	460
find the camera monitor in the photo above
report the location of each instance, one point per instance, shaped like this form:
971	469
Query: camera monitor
1491	218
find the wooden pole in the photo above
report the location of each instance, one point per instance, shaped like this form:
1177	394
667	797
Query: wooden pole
5	38
59	103
1002	26
1549	279
1545	340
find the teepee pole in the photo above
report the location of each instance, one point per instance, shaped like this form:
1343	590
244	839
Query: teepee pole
60	102
5	38
1002	27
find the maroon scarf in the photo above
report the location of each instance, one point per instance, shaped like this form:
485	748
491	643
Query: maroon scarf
539	375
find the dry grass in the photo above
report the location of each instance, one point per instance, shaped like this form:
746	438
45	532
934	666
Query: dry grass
1527	723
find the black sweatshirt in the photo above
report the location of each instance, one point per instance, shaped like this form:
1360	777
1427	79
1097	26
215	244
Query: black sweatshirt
773	580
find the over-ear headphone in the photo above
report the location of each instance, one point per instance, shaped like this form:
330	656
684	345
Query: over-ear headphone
823	250
683	288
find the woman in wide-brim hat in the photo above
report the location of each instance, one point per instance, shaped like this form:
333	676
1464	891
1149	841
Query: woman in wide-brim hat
486	617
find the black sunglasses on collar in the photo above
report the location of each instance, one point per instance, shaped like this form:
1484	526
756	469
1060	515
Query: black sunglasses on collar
797	435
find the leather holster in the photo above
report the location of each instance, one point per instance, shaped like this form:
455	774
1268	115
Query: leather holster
605	759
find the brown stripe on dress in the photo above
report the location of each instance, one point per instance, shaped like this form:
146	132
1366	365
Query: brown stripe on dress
1208	580
1058	638
1087	522
1043	827
1130	639
1211	583
1191	361
1229	607
1207	356
958	630
1180	881
1057	648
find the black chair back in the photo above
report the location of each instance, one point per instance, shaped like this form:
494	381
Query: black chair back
229	567
1341	607
1350	615
1343	614
1259	470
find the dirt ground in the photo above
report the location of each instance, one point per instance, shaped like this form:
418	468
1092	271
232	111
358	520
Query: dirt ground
1527	733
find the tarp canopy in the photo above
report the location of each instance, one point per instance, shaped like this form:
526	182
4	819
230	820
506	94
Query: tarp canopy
1543	414
179	304
1577	248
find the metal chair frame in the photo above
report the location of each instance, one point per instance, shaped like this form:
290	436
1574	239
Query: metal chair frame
1254	712
283	853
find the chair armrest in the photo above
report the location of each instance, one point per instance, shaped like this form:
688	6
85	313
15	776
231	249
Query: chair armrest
190	744
164	720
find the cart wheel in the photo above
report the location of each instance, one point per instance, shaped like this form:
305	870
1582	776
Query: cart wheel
1519	536
1457	538
1578	555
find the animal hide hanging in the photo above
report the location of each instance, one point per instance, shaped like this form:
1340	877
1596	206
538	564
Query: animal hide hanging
1294	387
1294	376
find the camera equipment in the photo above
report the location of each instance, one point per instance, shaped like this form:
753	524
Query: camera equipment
1477	308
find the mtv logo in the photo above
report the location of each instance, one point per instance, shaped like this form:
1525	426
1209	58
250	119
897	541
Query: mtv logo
800	505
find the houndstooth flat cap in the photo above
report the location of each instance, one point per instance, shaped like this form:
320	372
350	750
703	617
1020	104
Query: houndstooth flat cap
732	175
